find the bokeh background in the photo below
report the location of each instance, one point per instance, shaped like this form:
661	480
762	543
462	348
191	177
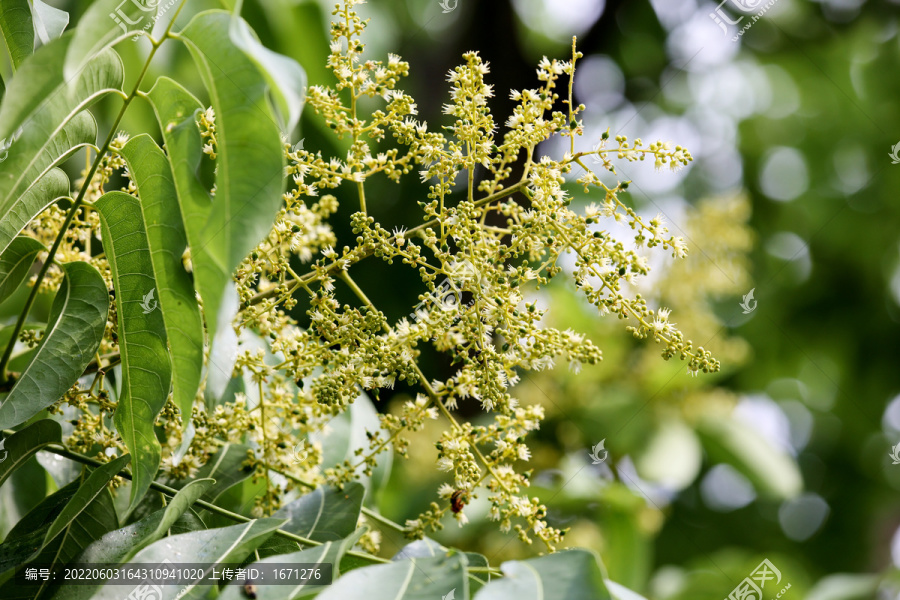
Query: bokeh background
786	454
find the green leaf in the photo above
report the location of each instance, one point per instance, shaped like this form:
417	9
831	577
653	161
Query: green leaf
104	23
17	29
772	472
226	468
287	79
329	552
174	510
85	494
47	190
49	22
226	544
31	183
416	578
25	539
149	168
38	97
77	322
27	483
176	110
423	548
347	432
43	113
63	514
325	514
427	547
120	545
146	370
20	446
250	163
15	262
571	574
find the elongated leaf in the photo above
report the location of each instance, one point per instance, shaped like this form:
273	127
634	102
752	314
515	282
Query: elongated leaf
93	521
18	30
570	574
15	263
78	319
47	190
149	168
427	547
85	494
329	552
416	578
20	446
49	22
103	24
772	472
176	110
120	545
250	163
325	514
44	116
146	370
176	507
226	544
286	77
38	97
81	497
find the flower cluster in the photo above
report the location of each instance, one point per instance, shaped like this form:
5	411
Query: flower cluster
495	242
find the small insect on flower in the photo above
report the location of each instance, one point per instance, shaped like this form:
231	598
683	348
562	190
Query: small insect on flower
249	589
458	500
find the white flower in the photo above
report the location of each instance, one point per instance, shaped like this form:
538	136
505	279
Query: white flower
523	452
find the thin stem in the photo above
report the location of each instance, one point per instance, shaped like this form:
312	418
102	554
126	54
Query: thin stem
337	265
427	386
